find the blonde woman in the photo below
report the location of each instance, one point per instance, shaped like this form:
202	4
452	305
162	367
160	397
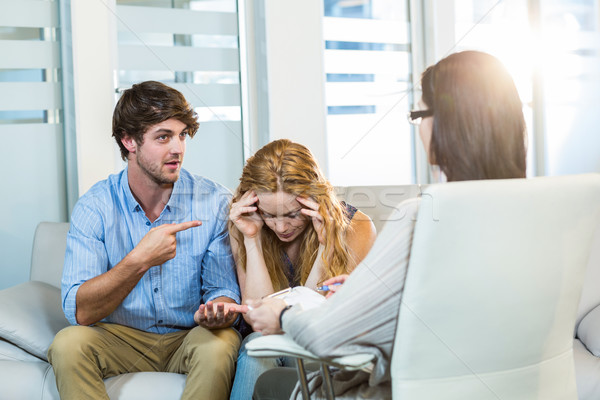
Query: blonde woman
287	228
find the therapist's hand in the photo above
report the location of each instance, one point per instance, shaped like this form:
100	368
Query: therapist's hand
264	314
335	284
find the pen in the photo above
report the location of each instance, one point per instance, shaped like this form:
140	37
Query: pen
325	288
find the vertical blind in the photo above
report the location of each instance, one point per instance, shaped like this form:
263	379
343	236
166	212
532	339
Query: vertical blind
191	46
368	70
552	52
32	151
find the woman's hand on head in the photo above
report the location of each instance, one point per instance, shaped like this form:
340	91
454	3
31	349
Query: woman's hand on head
311	210
244	215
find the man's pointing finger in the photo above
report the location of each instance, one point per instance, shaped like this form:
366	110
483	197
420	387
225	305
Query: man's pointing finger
182	226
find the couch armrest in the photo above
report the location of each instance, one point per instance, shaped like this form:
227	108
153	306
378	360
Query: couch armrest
589	331
30	316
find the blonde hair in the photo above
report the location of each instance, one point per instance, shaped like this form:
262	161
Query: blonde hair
283	165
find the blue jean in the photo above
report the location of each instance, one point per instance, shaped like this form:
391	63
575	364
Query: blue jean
248	370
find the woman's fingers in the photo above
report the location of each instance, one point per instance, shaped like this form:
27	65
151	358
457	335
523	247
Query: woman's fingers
311	213
248	198
308	202
317	218
244	210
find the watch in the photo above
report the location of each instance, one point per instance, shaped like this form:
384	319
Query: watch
281	315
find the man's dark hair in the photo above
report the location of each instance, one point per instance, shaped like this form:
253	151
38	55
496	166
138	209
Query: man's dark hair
146	104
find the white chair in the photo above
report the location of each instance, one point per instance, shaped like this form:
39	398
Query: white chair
492	290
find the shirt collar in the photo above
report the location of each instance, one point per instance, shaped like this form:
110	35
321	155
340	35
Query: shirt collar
130	201
173	205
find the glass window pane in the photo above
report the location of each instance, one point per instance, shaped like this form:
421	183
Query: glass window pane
368	75
562	53
33	140
191	45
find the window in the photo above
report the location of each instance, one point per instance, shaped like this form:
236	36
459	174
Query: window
191	45
551	50
368	92
33	140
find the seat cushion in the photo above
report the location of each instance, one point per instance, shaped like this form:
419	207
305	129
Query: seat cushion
587	371
9	351
588	331
146	386
27	380
30	316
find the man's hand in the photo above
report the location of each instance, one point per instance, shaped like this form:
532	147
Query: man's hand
101	295
159	245
218	315
264	315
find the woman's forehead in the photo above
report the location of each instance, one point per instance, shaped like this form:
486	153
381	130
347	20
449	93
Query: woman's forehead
277	203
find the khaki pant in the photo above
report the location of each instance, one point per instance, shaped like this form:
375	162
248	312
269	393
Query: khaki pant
82	356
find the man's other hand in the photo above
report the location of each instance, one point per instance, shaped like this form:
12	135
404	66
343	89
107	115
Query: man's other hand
218	315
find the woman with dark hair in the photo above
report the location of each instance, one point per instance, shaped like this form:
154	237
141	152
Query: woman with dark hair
471	125
477	126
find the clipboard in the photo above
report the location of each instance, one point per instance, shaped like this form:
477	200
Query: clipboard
306	297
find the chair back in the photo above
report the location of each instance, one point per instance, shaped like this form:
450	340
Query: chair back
492	289
590	297
48	256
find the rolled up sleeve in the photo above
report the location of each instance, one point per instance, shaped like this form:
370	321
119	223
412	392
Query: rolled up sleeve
85	257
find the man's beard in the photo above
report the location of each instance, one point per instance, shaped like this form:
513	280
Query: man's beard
154	172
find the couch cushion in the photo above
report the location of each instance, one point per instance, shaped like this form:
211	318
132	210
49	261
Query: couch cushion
9	351
48	256
27	381
30	316
378	202
589	331
146	385
587	371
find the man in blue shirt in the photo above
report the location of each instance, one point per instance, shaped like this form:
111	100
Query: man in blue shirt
149	282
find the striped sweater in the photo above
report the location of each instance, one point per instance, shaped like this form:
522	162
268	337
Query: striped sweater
362	316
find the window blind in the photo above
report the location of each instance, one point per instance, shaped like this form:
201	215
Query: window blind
368	69
191	46
31	128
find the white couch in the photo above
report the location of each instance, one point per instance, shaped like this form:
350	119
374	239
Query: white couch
31	314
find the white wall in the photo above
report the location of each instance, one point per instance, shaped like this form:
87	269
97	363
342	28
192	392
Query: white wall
296	83
94	59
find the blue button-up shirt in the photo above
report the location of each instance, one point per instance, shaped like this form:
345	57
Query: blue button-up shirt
107	223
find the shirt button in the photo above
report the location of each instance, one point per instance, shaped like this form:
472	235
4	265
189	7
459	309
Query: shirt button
155	290
160	321
147	223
